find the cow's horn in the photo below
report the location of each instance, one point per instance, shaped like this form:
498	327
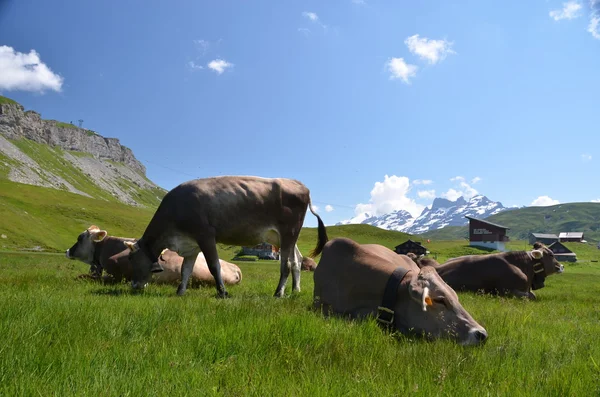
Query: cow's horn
537	254
131	245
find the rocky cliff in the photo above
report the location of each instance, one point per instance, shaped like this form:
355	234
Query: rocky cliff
16	123
60	155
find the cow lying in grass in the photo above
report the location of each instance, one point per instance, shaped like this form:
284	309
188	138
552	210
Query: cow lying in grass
361	280
110	254
514	273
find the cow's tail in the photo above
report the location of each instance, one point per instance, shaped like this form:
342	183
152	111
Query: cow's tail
322	234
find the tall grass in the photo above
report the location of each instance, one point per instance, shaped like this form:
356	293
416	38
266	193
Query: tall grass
64	336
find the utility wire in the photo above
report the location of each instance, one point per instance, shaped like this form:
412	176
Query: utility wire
195	176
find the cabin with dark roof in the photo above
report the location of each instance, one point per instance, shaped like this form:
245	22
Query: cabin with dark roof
543	238
576	237
411	246
562	253
487	234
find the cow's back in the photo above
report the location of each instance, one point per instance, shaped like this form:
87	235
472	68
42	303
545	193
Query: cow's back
351	277
479	272
234	206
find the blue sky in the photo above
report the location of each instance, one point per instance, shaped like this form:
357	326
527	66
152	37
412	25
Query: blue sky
374	105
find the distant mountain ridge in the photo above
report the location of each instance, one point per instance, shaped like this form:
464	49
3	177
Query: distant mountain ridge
443	212
62	156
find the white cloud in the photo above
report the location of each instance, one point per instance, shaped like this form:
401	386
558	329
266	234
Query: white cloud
544	201
26	72
361	2
594	26
194	66
461	189
310	15
430	50
596	201
401	70
475	180
203	46
422	181
426	194
586	157
452	194
570	10
315	207
219	65
389	196
329	208
304	31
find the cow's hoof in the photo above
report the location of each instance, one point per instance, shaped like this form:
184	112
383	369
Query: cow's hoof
180	291
223	295
278	294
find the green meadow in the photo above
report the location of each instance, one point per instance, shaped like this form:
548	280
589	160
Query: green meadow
65	336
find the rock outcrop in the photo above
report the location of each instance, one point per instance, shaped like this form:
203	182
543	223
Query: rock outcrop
16	123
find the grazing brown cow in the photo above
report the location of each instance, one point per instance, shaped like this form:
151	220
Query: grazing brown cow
110	254
505	273
235	210
357	280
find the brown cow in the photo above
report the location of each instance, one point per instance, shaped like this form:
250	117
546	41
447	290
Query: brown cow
505	273
308	264
351	280
235	210
103	252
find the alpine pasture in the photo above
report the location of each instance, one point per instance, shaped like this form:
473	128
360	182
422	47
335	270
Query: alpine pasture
67	336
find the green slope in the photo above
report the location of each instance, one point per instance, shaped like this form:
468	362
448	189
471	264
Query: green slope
32	216
571	217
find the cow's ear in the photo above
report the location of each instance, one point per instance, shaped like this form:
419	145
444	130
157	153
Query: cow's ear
537	245
537	254
99	236
93	228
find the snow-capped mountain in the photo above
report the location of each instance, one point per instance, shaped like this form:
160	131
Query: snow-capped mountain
442	213
452	213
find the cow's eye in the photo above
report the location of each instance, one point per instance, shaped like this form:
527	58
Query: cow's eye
441	300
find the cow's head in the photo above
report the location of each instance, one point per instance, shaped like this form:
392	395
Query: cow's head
84	248
142	264
543	255
434	310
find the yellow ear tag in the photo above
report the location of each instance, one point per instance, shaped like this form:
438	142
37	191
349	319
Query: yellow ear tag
163	251
428	301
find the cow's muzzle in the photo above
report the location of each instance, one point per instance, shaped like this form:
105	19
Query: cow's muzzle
68	255
561	269
476	336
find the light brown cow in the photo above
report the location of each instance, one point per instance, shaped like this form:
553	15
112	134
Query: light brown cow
308	264
234	210
351	279
514	273
110	254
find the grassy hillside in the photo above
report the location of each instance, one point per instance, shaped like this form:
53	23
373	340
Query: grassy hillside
572	217
32	216
51	159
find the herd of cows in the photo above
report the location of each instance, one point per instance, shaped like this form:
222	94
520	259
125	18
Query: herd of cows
405	293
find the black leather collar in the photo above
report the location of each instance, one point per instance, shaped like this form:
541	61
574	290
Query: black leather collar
385	312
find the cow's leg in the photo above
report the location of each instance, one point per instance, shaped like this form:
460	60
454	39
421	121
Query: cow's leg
186	271
209	248
284	270
296	262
